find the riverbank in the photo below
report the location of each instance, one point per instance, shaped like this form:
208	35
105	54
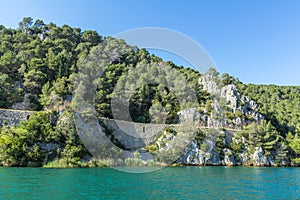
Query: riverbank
129	162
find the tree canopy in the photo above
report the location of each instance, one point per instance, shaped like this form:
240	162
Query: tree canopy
44	61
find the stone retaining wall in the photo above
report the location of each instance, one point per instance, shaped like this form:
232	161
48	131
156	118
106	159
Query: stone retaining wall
133	135
13	117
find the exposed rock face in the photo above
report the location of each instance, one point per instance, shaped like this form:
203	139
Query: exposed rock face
25	105
194	155
259	158
228	98
215	148
42	36
229	92
209	84
189	115
202	154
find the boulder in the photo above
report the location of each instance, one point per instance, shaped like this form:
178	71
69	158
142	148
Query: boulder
25	105
259	158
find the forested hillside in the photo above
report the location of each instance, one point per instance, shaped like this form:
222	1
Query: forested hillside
38	67
279	104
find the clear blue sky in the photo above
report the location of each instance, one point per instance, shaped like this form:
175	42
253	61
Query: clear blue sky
256	41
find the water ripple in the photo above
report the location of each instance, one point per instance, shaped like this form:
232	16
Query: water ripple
167	183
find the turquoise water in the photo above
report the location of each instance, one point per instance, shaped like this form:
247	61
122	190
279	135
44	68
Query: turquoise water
167	183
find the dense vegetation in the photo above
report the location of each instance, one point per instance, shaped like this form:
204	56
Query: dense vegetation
43	60
279	104
281	107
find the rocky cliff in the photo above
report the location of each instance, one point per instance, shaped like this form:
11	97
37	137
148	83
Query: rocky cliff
222	133
228	140
229	107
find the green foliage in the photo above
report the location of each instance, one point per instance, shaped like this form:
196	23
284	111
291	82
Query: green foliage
25	143
36	154
263	135
296	161
5	90
279	104
227	79
237	147
208	106
136	154
204	147
295	144
213	72
200	136
37	54
44	59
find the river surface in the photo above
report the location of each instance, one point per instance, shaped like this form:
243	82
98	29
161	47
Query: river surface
166	183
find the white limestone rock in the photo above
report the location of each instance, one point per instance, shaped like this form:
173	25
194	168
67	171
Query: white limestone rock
259	158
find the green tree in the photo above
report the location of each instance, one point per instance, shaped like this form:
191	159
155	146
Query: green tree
295	144
25	24
157	113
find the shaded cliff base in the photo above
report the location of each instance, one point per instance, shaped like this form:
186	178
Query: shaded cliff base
139	159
